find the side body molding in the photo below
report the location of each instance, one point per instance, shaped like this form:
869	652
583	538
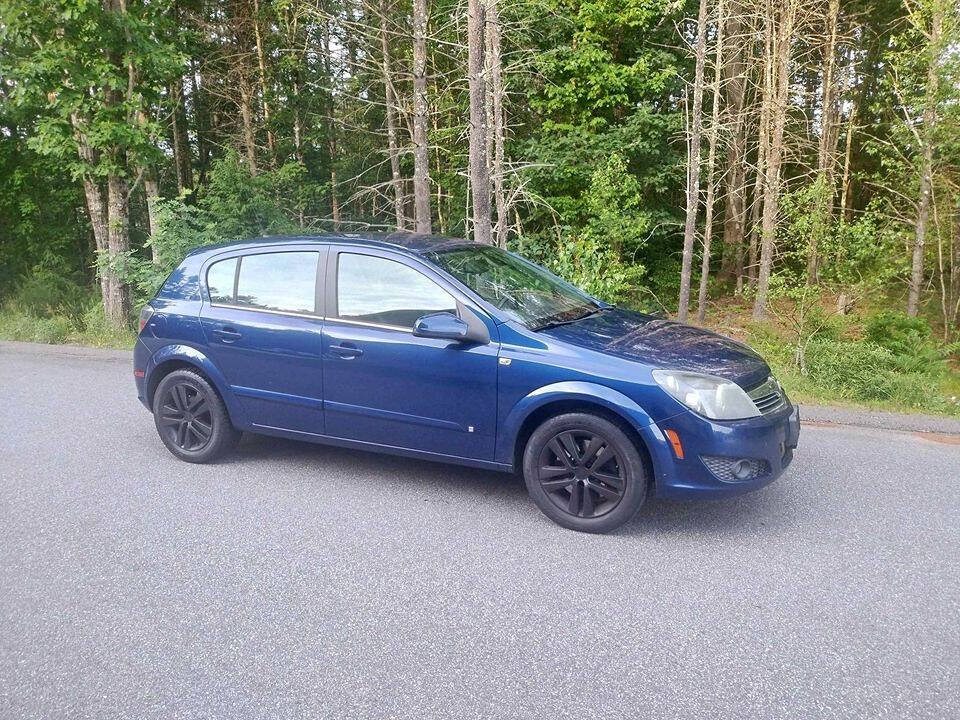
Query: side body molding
190	354
596	394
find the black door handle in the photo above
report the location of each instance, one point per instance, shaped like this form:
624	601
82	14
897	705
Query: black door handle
227	334
347	352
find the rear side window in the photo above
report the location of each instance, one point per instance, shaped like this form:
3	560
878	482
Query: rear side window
220	281
377	290
285	281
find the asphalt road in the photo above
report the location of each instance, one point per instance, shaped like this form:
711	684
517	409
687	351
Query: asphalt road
301	581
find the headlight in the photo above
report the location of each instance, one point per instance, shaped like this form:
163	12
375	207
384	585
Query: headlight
707	395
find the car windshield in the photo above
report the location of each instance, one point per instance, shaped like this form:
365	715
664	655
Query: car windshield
522	290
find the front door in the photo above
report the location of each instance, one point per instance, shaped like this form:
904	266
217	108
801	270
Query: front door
264	332
383	385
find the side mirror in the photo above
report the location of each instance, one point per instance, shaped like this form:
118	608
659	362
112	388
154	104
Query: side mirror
447	326
441	326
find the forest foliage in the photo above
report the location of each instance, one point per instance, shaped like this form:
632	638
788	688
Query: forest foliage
794	161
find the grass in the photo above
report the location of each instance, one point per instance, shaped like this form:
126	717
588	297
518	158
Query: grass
864	360
90	329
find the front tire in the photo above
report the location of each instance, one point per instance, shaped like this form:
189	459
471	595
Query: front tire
584	472
191	418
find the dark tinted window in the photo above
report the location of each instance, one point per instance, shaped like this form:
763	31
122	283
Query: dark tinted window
220	280
376	290
279	281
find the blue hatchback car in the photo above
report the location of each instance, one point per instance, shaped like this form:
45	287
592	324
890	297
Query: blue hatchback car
441	349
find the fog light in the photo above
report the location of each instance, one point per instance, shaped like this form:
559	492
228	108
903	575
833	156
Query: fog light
730	469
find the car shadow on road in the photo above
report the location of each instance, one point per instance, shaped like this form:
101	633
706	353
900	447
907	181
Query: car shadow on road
768	510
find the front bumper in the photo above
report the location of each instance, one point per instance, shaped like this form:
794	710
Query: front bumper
769	439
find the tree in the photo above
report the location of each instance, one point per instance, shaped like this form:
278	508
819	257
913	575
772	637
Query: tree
937	13
96	69
479	167
421	149
711	165
390	109
693	165
776	94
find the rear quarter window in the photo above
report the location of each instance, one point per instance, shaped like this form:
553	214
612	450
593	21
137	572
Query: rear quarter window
282	282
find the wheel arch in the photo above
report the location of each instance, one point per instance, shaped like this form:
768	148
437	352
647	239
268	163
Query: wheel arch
592	398
184	357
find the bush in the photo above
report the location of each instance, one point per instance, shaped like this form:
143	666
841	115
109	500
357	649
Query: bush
46	293
909	339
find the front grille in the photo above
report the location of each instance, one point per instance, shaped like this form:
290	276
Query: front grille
734	470
768	396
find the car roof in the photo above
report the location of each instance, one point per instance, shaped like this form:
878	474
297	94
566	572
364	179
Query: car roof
413	242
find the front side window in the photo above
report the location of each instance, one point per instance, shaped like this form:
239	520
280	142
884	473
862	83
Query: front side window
283	281
376	290
522	290
220	281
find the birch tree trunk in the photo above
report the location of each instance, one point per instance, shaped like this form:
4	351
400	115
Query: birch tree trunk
479	170
693	174
390	101
421	148
827	149
778	118
331	125
734	198
926	162
495	63
711	163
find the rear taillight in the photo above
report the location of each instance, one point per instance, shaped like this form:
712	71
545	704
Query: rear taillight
145	316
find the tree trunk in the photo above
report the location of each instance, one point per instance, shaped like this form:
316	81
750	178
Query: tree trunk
495	63
117	303
778	118
201	124
262	65
249	134
421	148
97	210
151	188
926	162
734	197
693	173
479	170
827	149
847	154
331	126
763	150
390	102
711	163
181	140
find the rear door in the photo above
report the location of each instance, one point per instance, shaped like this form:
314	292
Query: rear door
262	318
385	386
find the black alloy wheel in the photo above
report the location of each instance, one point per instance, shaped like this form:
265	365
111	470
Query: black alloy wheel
585	472
191	418
582	474
186	416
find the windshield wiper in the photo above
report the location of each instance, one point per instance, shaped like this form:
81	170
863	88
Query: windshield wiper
556	323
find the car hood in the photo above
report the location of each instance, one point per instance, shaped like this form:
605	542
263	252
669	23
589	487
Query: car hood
664	344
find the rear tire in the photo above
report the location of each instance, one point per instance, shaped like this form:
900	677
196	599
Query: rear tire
584	472
191	418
